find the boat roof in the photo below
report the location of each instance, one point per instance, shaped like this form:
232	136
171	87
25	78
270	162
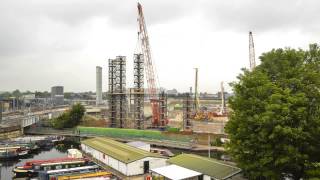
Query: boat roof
72	169
72	151
57	163
30	138
85	175
9	147
56	160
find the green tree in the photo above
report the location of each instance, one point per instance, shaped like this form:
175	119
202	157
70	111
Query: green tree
76	114
68	95
5	95
16	93
216	142
44	94
62	121
70	118
274	126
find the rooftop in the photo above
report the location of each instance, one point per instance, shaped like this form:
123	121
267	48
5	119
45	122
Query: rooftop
175	172
118	150
137	143
207	166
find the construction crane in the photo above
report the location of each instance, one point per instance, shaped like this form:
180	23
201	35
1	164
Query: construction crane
251	52
196	96
151	74
223	100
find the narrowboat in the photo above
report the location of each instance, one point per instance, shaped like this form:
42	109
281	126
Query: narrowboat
54	174
13	151
32	168
8	153
41	141
31	146
74	153
99	175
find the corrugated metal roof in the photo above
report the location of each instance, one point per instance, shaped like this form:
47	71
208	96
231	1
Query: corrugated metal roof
207	166
137	144
118	150
175	172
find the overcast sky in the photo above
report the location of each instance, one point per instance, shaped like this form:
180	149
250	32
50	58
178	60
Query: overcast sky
60	42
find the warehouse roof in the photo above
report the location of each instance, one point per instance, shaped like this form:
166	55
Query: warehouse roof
207	166
118	150
137	144
175	172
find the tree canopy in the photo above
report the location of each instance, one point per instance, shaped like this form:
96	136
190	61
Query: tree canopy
274	126
69	118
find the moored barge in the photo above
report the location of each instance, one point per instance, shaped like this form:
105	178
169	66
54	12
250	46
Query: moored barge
32	168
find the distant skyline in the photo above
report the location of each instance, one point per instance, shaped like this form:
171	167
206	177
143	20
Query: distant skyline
44	43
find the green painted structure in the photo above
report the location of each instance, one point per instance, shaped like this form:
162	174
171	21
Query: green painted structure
133	134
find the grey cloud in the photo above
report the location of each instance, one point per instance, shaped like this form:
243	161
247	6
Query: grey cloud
39	33
22	21
263	16
119	12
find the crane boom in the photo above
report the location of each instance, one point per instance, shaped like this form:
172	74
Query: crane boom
149	67
251	52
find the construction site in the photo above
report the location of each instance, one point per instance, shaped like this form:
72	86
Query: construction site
159	90
147	106
144	110
144	106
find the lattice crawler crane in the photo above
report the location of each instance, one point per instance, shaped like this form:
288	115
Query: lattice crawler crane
159	119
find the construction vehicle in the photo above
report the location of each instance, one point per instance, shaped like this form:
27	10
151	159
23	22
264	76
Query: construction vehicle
203	114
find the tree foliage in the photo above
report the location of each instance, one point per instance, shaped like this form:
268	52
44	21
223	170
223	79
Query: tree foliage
40	94
216	142
274	125
16	93
70	118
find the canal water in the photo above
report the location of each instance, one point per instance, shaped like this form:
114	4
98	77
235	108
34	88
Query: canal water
57	151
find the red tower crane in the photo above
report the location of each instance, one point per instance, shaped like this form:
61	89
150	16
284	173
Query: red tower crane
151	74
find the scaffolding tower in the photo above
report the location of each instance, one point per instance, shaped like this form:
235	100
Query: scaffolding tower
117	92
187	112
111	94
138	91
163	109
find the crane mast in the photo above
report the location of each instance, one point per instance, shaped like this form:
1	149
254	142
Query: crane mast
150	70
196	95
223	100
251	52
